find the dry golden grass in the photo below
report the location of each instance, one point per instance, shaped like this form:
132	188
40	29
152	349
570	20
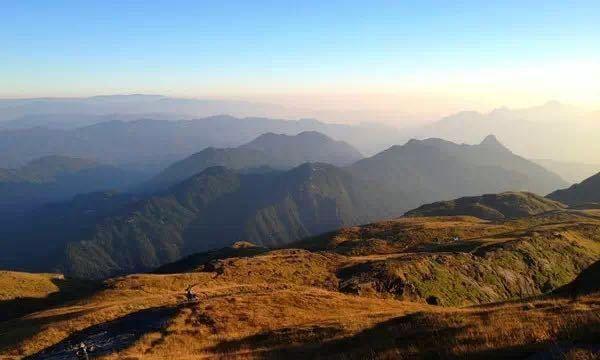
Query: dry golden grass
286	304
227	311
403	234
24	293
233	325
501	331
275	319
18	284
289	266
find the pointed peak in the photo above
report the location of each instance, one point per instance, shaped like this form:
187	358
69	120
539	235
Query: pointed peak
491	140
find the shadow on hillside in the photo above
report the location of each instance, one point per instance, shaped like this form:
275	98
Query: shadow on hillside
417	335
68	290
15	331
287	340
587	282
408	332
112	336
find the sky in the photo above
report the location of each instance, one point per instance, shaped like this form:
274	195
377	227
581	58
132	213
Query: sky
412	58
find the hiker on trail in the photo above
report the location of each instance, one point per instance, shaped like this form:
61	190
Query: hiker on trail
82	351
190	295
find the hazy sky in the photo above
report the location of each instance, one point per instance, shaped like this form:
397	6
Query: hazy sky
413	57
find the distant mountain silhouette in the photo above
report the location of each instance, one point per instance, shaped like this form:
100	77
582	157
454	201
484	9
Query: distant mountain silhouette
12	109
276	151
588	191
69	121
490	206
308	146
157	143
550	131
57	178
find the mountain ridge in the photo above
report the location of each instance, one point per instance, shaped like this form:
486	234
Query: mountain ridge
588	191
490	206
434	169
160	141
215	208
276	151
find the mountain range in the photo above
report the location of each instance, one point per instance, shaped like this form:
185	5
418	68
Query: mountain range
156	143
275	151
153	131
82	127
562	132
133	104
219	206
434	169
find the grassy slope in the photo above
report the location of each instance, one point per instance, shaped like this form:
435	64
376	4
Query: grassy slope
24	293
491	206
18	284
274	319
286	302
417	258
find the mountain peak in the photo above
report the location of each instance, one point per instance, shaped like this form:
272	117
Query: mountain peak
491	140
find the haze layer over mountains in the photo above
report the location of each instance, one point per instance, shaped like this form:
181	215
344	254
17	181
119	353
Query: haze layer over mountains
551	131
95	198
565	136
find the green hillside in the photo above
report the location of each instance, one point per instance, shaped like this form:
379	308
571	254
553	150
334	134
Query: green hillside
434	169
216	208
490	206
